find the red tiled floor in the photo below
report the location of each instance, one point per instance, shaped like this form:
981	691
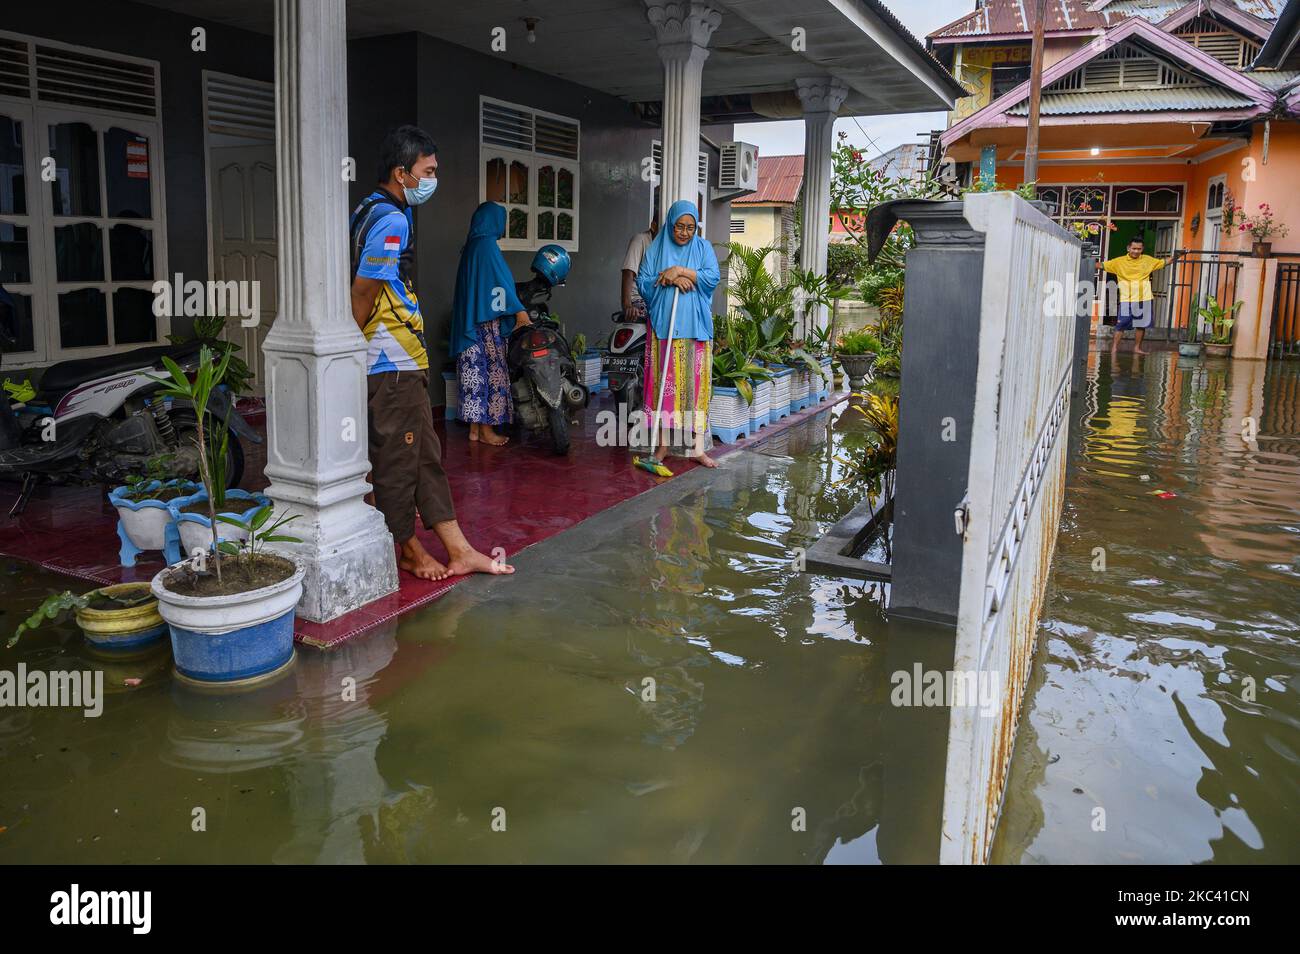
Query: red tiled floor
509	497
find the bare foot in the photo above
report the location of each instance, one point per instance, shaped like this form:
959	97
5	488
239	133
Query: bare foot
704	460
492	438
1138	351
416	560
471	561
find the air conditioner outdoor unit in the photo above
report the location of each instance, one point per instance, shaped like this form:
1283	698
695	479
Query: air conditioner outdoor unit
737	170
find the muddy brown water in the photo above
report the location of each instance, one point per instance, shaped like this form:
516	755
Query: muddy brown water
659	685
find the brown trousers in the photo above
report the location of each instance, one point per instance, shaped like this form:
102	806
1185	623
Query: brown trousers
405	455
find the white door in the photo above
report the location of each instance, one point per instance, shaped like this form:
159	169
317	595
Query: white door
1166	240
244	243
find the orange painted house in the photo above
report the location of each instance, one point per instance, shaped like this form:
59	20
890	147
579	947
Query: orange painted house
1157	117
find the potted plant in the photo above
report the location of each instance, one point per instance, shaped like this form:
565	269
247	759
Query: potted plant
1261	227
144	521
732	393
114	618
1218	321
780	400
195	514
230	607
856	352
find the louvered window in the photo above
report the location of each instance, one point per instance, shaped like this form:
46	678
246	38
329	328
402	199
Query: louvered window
530	164
1124	67
82	237
239	107
1226	46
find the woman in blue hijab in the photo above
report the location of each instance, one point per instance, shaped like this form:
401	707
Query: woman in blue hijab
484	311
680	262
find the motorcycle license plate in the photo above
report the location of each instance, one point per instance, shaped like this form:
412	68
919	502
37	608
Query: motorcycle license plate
622	364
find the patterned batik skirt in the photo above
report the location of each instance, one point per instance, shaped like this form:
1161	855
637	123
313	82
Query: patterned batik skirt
484	378
688	365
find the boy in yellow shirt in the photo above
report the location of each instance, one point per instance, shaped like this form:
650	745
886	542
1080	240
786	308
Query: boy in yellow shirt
1136	300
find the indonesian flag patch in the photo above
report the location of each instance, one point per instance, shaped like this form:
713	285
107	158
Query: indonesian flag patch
392	243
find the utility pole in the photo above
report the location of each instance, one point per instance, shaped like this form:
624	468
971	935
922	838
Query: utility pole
1035	91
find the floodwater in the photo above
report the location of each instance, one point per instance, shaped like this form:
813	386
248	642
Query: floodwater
659	684
1163	714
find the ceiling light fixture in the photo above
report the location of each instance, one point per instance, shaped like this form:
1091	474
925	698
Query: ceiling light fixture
531	24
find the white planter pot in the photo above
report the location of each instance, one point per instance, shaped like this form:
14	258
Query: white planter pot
762	404
800	381
780	389
727	408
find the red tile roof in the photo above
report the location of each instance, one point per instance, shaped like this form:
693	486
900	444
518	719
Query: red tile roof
779	180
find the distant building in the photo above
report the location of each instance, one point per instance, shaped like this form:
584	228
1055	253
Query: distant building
767	216
1158	118
907	162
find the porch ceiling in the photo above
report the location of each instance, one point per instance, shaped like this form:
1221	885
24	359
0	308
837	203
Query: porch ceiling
608	45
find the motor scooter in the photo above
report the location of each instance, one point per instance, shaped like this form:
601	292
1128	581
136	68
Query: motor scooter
98	420
544	380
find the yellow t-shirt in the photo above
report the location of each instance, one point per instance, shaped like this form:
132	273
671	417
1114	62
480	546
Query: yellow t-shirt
1134	276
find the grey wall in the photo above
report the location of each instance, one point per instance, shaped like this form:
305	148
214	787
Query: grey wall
445	81
137	30
392	80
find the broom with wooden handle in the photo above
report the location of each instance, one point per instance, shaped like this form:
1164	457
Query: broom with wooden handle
651	463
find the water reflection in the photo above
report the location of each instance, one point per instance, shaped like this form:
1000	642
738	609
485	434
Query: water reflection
1161	695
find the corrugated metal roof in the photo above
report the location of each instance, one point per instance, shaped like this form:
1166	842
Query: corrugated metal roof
1136	101
1001	17
779	180
1275	79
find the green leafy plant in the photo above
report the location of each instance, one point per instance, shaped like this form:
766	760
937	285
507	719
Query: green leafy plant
158	468
59	603
1219	320
579	347
197	392
249	550
1261	226
735	368
211	329
859	342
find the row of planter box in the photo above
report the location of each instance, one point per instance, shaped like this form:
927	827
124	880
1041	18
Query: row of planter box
789	391
161	525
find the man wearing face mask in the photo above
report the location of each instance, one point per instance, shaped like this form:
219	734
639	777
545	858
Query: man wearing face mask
405	455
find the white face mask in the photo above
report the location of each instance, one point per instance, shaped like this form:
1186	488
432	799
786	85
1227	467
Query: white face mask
420	193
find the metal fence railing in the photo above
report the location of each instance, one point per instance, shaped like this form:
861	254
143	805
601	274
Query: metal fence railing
1284	334
1196	279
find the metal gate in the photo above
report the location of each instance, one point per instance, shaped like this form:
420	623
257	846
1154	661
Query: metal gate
1284	338
1197	278
1014	492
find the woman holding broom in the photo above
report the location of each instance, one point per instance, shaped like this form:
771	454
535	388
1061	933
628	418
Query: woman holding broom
677	279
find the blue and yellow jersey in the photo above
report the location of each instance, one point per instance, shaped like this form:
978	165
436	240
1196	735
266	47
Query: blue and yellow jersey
395	329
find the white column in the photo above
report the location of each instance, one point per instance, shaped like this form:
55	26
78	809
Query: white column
315	355
682	31
821	98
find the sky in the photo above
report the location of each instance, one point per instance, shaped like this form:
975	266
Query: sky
880	133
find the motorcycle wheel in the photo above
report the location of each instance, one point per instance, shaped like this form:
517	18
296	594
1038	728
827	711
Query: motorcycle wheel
186	429
629	394
558	419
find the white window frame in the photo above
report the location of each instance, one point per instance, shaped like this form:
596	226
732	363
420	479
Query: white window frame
44	288
534	160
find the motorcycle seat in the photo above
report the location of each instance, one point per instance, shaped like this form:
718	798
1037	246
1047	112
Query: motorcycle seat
66	375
